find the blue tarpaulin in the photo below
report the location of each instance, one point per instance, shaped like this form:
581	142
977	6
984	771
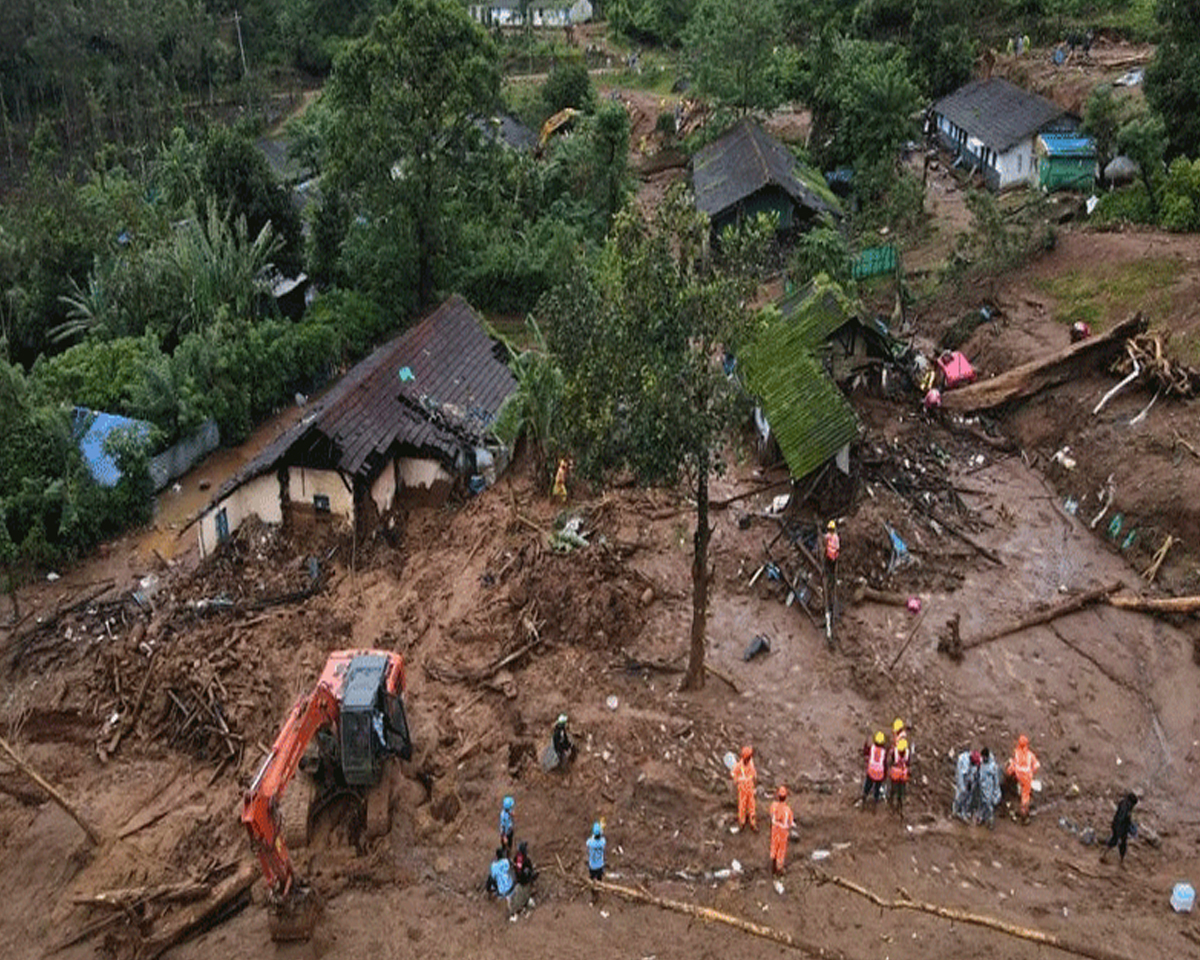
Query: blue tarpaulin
92	429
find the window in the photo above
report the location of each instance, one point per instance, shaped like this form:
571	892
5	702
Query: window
222	525
1020	161
320	503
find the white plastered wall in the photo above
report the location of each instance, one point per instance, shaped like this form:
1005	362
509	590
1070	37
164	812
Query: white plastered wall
421	473
1013	170
305	483
260	496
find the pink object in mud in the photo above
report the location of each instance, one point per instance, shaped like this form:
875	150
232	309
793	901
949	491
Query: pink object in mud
914	604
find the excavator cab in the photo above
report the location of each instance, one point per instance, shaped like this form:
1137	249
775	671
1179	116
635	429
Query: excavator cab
373	726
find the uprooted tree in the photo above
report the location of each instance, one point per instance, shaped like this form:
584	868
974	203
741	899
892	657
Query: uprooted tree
641	338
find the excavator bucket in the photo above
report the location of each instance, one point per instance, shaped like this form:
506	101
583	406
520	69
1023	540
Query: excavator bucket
295	916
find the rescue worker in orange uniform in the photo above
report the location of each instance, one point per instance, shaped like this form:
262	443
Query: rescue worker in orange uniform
1024	765
782	822
898	775
746	778
876	753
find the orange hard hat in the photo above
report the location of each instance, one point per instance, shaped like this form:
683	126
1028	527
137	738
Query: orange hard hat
781	793
747	753
879	737
1022	741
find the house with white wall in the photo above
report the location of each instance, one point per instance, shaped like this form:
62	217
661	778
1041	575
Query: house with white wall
410	422
992	126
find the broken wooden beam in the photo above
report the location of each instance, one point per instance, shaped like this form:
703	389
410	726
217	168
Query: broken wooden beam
1076	603
92	833
1028	379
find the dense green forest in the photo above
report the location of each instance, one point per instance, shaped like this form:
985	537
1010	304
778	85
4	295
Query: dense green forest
143	227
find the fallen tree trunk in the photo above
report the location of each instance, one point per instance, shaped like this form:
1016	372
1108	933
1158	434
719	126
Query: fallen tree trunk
229	896
1157	605
1052	613
124	898
1033	377
977	919
92	833
706	913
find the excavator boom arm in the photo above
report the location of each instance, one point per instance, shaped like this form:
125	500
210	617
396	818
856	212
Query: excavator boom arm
260	807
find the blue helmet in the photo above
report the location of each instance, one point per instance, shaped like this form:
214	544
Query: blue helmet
509	803
596	831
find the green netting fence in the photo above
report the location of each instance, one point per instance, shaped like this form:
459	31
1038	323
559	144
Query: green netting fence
874	261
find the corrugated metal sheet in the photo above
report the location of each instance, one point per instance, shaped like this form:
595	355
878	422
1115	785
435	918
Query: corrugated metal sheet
997	112
433	390
1067	145
745	160
809	416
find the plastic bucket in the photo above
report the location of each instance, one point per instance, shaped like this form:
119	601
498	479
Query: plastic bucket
1182	898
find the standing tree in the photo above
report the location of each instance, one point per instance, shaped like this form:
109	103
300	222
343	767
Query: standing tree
1102	117
403	100
1173	79
1144	140
734	50
640	341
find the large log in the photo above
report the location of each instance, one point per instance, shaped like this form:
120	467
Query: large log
1093	951
1052	613
707	913
1033	377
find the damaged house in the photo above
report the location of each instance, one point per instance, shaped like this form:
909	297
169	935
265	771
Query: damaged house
745	172
793	368
411	421
992	125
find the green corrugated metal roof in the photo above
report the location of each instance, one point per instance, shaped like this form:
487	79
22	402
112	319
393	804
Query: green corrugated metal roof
809	416
818	309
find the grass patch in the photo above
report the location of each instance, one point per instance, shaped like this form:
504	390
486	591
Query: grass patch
1107	294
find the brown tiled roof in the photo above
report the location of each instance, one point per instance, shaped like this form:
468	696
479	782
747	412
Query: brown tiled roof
433	390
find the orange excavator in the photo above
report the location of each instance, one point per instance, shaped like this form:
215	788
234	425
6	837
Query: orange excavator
355	719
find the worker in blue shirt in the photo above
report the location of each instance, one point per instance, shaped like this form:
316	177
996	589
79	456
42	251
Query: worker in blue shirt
500	878
506	825
595	845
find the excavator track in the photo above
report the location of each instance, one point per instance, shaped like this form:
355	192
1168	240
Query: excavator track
294	810
379	804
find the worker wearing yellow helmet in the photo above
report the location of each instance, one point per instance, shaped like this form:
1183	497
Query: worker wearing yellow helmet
875	752
900	732
898	761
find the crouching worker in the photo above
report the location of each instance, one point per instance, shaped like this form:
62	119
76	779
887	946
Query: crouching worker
525	873
500	879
